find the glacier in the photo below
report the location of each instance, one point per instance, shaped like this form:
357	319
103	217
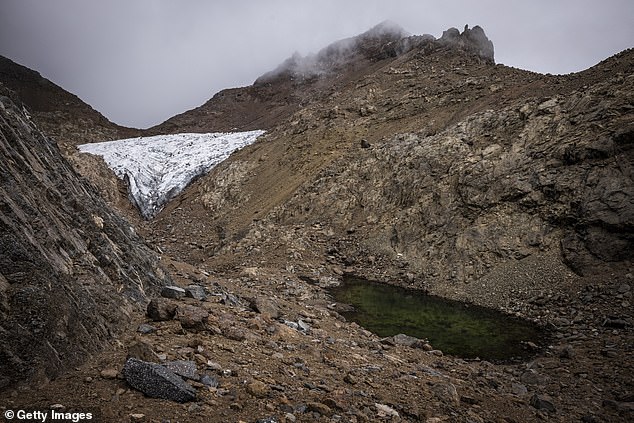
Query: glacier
156	169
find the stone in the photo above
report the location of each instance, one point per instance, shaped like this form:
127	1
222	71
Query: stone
350	378
319	407
184	368
518	389
258	389
196	292
365	143
137	417
425	346
145	329
302	326
265	306
192	317
291	325
157	381
446	392
109	373
210	381
548	106
405	340
172	291
541	403
233	332
161	309
384	411
229	299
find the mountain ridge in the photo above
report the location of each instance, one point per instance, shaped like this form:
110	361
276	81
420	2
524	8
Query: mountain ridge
298	81
62	115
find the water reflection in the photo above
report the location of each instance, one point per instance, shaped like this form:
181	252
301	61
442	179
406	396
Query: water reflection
456	328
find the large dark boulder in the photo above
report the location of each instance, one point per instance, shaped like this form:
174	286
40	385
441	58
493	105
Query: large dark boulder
157	381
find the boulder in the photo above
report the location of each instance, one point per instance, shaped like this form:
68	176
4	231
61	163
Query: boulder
157	381
171	291
160	309
192	317
196	292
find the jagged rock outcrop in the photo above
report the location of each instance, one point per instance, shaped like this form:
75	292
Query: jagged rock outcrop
380	42
472	40
71	270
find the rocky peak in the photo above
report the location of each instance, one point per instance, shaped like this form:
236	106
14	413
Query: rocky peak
369	45
472	40
384	40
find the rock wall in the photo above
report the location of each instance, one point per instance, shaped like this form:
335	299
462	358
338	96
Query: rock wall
71	270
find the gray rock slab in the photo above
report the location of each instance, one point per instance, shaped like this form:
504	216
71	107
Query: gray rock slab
157	381
196	292
184	368
172	291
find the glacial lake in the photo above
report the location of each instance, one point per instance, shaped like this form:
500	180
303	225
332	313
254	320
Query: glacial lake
456	328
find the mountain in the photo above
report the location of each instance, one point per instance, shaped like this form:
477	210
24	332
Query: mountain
62	115
71	270
471	165
301	81
409	160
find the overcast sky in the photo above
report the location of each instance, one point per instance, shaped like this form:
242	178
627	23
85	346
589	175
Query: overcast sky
141	61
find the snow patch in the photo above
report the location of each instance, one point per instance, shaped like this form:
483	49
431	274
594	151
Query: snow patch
158	168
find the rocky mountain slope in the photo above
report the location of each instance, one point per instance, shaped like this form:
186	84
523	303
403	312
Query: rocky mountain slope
301	81
468	166
71	270
60	114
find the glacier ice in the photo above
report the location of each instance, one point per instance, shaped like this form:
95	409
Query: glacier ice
158	168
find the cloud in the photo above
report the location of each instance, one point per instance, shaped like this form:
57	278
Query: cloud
140	62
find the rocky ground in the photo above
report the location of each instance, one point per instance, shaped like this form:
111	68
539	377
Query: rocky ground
265	344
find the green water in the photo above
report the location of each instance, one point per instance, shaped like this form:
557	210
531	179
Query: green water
456	328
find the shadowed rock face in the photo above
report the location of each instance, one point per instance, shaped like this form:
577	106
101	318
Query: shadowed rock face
472	40
71	270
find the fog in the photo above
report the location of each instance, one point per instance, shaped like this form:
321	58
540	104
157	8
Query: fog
140	62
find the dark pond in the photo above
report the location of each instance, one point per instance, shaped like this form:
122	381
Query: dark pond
456	328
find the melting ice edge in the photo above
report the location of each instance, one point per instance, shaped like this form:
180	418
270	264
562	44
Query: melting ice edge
156	169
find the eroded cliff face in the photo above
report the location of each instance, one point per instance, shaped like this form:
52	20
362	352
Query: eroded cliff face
71	270
501	185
